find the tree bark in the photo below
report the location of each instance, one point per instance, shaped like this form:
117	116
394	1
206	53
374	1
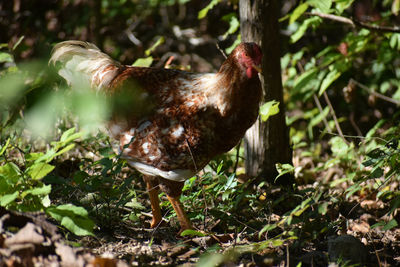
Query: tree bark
266	143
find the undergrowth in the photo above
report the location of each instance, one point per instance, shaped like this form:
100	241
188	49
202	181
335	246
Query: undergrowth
345	156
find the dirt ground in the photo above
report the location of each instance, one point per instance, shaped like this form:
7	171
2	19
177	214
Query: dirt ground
30	239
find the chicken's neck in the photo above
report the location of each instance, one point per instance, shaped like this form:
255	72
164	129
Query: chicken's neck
229	91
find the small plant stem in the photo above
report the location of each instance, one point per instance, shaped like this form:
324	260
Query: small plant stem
318	103
339	130
237	156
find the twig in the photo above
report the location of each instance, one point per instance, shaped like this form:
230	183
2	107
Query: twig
222	51
361	137
339	130
355	23
376	252
395	29
191	154
331	17
353	123
318	103
202	188
378	95
287	255
237	156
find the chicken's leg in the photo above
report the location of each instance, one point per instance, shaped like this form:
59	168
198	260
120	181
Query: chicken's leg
180	213
152	188
174	190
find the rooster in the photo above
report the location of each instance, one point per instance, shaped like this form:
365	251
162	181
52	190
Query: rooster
185	118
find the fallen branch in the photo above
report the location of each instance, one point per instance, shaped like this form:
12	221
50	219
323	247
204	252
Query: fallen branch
378	95
355	23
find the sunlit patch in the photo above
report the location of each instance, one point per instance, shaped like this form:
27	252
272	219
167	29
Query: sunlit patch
189	104
178	131
169	99
128	137
146	148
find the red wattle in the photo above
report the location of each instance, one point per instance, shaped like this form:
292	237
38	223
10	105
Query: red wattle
250	72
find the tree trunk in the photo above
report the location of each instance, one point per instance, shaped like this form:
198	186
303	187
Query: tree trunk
266	143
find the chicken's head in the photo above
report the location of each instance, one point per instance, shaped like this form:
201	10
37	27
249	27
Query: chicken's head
249	56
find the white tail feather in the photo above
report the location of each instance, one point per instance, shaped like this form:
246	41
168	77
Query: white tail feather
84	59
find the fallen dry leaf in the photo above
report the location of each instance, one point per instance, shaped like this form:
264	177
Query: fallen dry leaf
29	234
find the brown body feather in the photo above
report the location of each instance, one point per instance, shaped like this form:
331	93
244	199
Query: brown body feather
172	123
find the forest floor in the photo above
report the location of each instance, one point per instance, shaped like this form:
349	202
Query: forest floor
30	239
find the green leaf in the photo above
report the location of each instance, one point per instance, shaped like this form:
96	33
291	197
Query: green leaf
303	28
204	11
50	154
341	5
277	242
283	169
143	62
323	208
231	182
5	57
135	204
38	191
210	260
338	146
191	232
299	10
233	46
233	24
378	224
322	5
65	149
390	225
70	135
39	170
160	41
376	153
376	172
269	109
300	211
328	80
317	119
304	79
395	7
395	41
10	172
369	162
18	42
267	228
8	198
73	218
3	148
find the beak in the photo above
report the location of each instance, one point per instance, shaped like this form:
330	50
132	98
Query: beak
257	68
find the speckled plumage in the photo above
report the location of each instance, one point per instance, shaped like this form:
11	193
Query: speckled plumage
185	119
